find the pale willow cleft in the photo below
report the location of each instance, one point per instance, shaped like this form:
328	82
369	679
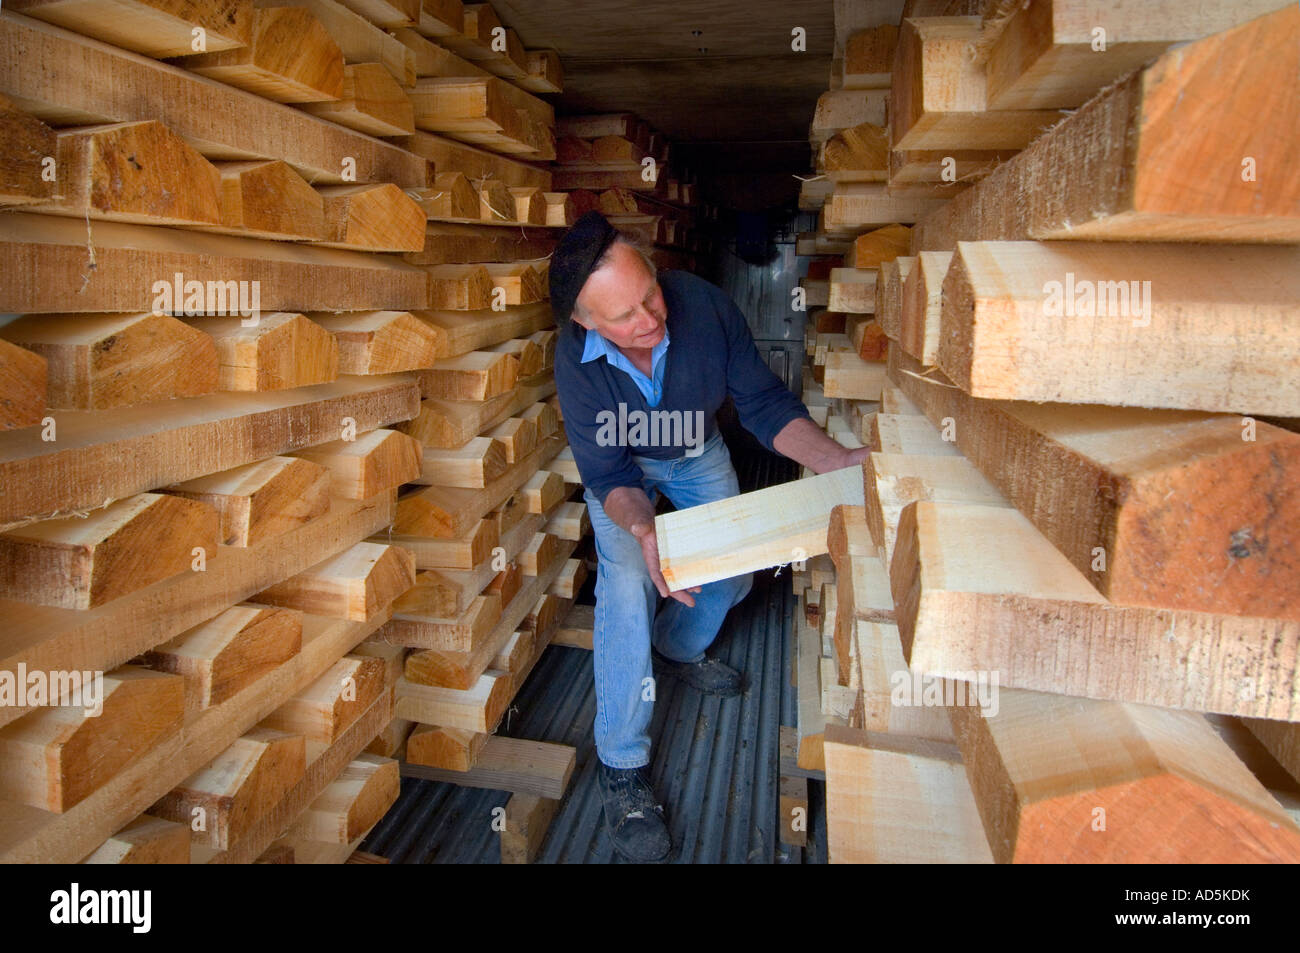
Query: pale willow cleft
758	530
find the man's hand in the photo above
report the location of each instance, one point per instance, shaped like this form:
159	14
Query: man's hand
854	457
645	534
804	442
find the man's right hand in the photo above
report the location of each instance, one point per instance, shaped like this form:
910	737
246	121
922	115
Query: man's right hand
645	534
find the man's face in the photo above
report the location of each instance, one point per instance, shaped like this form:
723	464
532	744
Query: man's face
623	302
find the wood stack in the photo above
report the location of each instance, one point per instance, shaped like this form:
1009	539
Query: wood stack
619	165
199	463
496	543
1022	666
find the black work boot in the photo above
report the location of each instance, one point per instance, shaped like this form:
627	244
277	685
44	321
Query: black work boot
708	675
634	819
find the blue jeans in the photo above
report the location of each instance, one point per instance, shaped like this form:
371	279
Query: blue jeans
626	600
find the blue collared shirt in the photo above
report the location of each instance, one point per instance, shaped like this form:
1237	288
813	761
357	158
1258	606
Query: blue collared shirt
713	356
651	389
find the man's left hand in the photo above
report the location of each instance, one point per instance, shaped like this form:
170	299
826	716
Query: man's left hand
804	442
854	457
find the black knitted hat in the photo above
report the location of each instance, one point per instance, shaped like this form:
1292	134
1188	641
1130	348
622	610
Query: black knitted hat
574	259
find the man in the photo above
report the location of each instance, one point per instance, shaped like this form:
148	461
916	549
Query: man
642	365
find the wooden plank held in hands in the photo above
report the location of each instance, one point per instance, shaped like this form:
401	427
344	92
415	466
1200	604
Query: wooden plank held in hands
764	528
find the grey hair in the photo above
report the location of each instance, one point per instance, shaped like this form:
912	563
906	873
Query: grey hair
638	246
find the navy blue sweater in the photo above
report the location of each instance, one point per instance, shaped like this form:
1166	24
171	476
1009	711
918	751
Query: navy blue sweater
711	355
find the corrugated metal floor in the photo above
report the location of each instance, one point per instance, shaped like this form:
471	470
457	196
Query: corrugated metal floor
715	760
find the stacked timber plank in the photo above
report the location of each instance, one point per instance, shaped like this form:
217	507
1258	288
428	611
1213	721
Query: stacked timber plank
1068	607
822	698
844	342
871	171
496	542
617	164
214	343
